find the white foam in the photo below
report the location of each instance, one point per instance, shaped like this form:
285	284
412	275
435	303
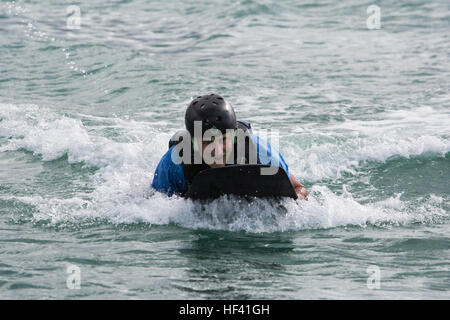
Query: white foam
345	147
324	210
51	136
125	170
330	160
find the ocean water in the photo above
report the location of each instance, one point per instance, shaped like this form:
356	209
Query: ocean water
86	111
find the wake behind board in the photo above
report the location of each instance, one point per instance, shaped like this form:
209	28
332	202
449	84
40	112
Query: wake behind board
240	180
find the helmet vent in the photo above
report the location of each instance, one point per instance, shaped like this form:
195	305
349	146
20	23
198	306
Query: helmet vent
202	106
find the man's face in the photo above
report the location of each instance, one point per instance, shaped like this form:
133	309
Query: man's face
217	150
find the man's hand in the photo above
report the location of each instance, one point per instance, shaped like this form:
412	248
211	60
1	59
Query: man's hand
300	189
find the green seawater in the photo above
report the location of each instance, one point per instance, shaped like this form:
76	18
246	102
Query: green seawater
363	117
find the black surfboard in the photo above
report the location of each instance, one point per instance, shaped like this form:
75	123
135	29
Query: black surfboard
240	180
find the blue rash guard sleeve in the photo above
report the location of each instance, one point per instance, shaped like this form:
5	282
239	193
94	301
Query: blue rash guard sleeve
169	176
268	154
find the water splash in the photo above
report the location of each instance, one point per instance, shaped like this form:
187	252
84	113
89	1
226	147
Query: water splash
124	170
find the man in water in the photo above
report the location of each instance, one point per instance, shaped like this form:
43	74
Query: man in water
214	137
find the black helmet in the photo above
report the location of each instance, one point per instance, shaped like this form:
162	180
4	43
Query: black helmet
214	112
